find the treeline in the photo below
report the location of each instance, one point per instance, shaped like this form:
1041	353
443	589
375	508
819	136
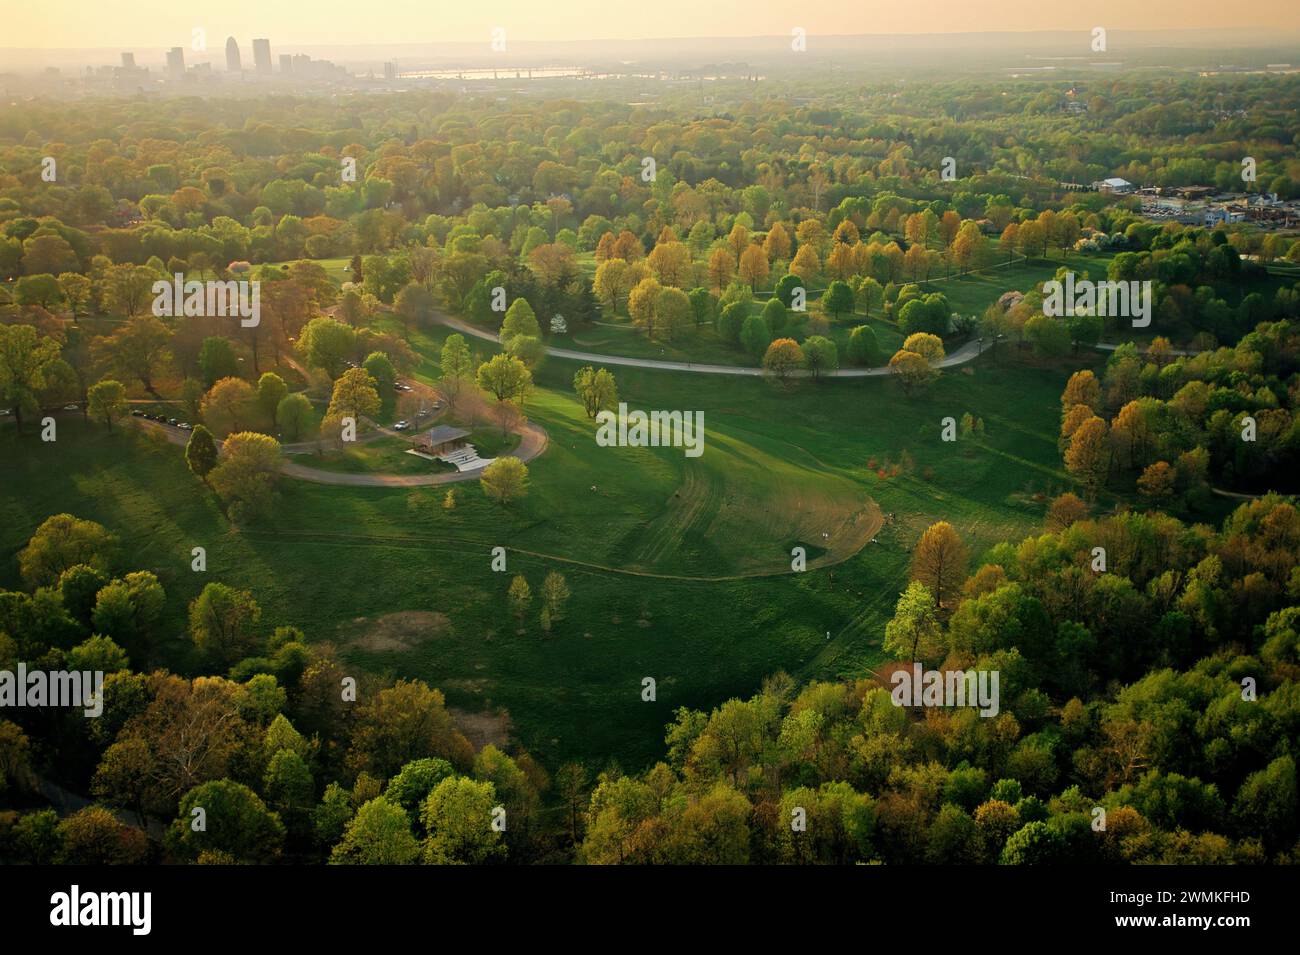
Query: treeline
1147	713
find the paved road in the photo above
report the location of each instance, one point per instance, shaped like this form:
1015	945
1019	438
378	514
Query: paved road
959	357
1111	346
532	442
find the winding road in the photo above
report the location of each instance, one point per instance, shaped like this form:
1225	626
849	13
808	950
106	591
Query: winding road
962	355
532	442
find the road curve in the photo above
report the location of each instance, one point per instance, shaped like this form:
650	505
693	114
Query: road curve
959	357
532	442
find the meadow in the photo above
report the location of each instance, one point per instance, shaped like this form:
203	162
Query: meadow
653	544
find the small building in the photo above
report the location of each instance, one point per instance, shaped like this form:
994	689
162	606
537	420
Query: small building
441	439
1114	186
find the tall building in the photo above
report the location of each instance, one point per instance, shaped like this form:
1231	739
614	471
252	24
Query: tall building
232	56
286	63
128	61
390	71
176	62
262	55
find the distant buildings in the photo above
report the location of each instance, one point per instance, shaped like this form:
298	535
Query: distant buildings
1114	186
128	61
176	63
262	56
390	71
232	56
286	63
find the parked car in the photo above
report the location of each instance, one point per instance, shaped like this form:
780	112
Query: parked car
185	426
72	407
173	422
401	426
137	413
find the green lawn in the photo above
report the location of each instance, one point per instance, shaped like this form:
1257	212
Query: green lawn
380	456
641	534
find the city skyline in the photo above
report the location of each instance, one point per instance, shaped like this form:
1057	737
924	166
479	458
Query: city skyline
80	24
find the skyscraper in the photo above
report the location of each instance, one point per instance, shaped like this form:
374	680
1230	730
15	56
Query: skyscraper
286	63
262	55
176	62
232	56
128	61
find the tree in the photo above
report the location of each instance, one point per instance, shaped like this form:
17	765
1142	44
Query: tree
293	416
42	290
406	721
911	369
201	452
221	624
864	347
506	378
673	314
327	344
458	817
94	836
914	633
1065	511
820	355
413	304
643	304
246	475
612	282
355	396
722	266
379	834
505	480
1157	481
271	390
217	360
411	787
228	405
555	594
1082	389
753	266
457	368
24	361
106	400
520	595
838	298
939	562
929	347
138	349
1088	455
671	262
76	291
237	823
1049	337
754	335
784	357
63	541
520	320
596	389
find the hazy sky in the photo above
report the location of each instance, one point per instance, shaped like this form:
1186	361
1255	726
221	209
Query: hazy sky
143	24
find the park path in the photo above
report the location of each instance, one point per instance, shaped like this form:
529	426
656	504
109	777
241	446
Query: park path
962	355
532	442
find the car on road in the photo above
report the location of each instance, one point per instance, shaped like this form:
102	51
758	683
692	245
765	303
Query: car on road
173	422
72	407
185	426
401	426
137	413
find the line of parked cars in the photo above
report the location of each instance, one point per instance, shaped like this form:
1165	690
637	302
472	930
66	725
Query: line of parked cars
162	419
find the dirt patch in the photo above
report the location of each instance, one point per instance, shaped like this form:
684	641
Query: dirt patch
395	631
482	728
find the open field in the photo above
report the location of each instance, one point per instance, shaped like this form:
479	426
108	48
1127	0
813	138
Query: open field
779	469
